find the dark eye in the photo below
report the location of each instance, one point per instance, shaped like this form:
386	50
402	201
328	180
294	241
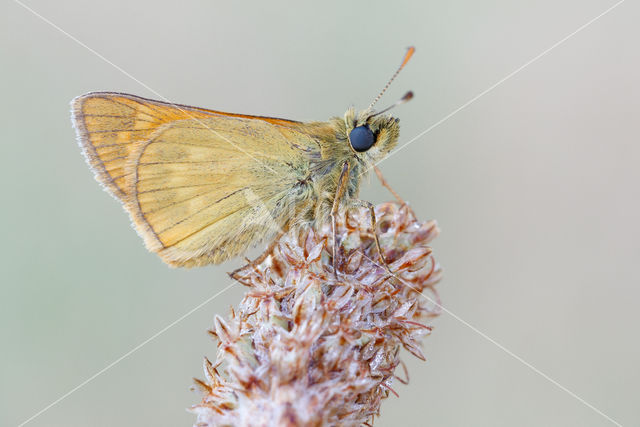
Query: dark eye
361	138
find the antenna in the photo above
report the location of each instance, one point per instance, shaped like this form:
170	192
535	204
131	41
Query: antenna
407	56
407	97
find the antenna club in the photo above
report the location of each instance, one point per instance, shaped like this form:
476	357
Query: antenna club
407	57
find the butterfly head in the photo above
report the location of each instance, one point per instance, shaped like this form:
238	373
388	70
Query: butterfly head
371	136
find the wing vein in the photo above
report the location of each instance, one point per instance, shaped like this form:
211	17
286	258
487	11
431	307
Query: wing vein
200	210
120	130
121	117
175	188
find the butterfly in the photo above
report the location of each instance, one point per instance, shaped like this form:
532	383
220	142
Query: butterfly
202	186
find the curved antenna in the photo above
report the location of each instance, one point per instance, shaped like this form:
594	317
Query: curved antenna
407	56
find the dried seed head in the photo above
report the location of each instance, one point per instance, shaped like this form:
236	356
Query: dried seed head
305	349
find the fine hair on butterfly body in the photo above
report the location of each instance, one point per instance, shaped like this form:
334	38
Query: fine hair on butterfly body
203	186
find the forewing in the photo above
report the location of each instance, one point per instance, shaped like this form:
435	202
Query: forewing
206	190
110	126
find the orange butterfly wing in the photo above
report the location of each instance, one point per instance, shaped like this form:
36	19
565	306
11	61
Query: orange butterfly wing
111	125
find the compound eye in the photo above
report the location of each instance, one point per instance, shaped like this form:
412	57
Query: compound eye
361	138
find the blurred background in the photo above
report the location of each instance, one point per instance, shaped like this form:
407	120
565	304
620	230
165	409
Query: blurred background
535	186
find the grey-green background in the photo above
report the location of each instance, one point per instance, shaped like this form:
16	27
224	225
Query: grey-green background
535	186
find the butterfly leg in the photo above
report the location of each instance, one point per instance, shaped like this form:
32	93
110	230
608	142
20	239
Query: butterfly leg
386	185
340	189
256	262
268	250
374	229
